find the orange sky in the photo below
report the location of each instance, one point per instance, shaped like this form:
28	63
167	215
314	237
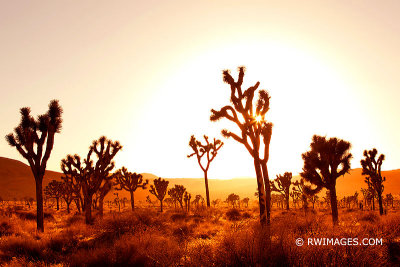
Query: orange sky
147	73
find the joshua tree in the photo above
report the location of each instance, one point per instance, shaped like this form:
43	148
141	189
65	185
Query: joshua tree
246	201
371	166
176	193
301	189
197	200
255	132
216	202
73	187
208	149
313	199
327	160
389	199
37	134
187	198
54	190
284	182
89	174
130	182
232	199
68	193
159	190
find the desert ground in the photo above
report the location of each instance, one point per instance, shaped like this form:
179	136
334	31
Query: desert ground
217	236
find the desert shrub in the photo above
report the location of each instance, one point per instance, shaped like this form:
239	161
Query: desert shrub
246	215
5	229
18	246
233	215
369	217
179	217
30	216
74	219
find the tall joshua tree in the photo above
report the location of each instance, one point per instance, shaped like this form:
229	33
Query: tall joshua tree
89	174
209	150
159	190
255	132
34	140
130	182
55	190
284	182
176	193
327	160
371	166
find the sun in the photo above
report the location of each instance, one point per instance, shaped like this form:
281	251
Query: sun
258	119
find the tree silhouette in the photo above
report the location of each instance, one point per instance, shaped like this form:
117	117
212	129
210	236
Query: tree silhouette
130	182
327	160
371	166
255	132
54	189
68	193
187	198
284	182
232	199
246	201
89	174
208	149
74	188
300	188
159	190
37	134
176	193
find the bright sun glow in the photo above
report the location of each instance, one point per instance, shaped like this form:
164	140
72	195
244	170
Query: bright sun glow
258	118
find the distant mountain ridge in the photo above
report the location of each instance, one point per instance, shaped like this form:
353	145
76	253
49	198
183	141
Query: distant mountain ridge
16	181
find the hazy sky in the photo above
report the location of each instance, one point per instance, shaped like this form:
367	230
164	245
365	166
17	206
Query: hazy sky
147	73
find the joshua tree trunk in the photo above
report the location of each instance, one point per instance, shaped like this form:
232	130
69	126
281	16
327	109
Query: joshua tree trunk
373	202
88	210
334	208
132	200
161	205
58	203
101	205
380	203
287	202
39	203
267	191
207	191
261	191
78	205
68	203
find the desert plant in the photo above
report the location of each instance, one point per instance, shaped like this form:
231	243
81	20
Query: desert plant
255	132
72	190
209	150
37	133
327	160
246	201
284	182
187	198
55	190
159	190
233	199
371	167
177	193
89	174
103	191
130	182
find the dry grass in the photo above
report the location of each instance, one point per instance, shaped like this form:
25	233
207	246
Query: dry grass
204	237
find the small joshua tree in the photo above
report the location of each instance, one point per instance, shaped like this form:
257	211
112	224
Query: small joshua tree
89	174
177	193
187	198
255	132
67	192
73	187
130	182
209	150
159	190
246	201
37	134
327	160
103	191
371	166
233	199
284	182
55	190
300	188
